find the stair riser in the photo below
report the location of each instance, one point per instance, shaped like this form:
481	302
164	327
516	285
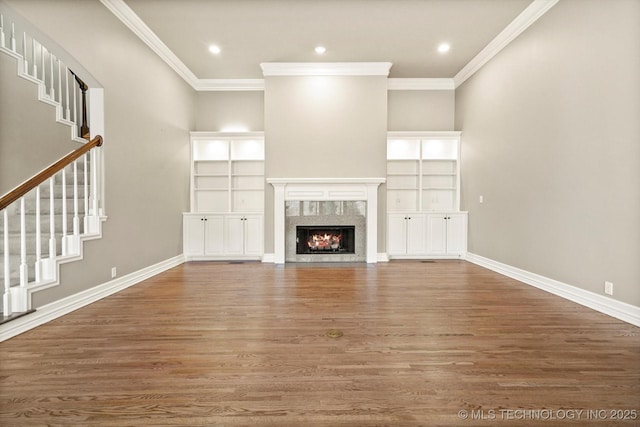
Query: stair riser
30	223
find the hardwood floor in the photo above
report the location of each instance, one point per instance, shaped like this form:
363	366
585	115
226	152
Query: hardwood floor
208	344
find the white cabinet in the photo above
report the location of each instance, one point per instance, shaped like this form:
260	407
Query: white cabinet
223	236
203	235
243	235
423	179
406	234
227	196
447	234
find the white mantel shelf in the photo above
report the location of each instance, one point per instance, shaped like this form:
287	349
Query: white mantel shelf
320	189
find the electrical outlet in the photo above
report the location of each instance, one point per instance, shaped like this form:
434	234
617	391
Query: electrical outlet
481	199
114	272
608	288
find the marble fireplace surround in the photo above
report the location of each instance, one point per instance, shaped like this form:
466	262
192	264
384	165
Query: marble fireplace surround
321	189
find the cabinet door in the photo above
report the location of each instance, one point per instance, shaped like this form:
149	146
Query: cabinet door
234	235
397	234
253	235
457	234
193	238
416	242
437	234
214	235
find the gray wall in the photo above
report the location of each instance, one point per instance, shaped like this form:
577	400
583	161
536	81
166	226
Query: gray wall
230	111
551	135
324	127
149	113
26	149
416	110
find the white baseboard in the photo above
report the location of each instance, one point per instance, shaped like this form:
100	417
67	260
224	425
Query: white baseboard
270	258
71	303
383	257
620	310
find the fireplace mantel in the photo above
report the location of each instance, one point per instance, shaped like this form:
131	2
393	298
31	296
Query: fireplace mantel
320	189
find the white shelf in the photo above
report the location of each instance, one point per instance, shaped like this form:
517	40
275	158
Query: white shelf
423	171
227	172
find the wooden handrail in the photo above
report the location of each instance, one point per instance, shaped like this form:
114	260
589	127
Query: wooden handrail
47	173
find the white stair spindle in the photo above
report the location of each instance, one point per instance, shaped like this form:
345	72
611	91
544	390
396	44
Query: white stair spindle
38	237
66	78
6	296
86	191
34	54
94	181
42	62
24	53
52	93
75	103
52	227
76	218
60	83
64	212
2	30
13	37
24	270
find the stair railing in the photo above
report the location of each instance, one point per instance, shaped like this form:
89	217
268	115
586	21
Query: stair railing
58	84
15	295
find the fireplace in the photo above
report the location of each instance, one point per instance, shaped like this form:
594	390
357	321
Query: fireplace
321	202
323	239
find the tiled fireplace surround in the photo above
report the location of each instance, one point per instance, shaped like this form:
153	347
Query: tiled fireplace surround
321	190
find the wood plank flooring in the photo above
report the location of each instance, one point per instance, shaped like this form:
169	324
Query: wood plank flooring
446	343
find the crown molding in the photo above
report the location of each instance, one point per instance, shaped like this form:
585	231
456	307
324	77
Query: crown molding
420	84
325	68
129	18
229	85
523	21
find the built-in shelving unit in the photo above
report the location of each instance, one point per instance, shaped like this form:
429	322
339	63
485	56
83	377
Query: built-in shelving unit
423	196
227	172
227	196
423	171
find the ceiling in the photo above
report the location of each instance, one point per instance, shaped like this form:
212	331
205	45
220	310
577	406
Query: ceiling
249	32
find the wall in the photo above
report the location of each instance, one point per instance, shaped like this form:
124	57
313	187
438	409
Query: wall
148	119
26	149
550	139
416	110
230	111
323	127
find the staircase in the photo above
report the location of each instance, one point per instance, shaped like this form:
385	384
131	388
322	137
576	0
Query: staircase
44	221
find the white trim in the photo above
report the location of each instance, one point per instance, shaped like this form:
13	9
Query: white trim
523	21
322	181
198	134
129	18
420	84
446	134
325	68
620	310
325	189
73	302
383	257
269	258
229	85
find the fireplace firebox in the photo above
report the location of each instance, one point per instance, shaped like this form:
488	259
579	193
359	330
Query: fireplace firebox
325	239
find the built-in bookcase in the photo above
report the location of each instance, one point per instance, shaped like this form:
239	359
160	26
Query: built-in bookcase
227	172
423	171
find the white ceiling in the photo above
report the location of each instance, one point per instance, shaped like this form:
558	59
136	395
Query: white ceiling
249	32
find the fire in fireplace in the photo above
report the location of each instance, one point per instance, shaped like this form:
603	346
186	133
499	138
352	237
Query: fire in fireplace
316	239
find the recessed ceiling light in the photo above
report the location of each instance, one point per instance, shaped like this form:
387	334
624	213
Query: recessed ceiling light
214	49
444	48
320	50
